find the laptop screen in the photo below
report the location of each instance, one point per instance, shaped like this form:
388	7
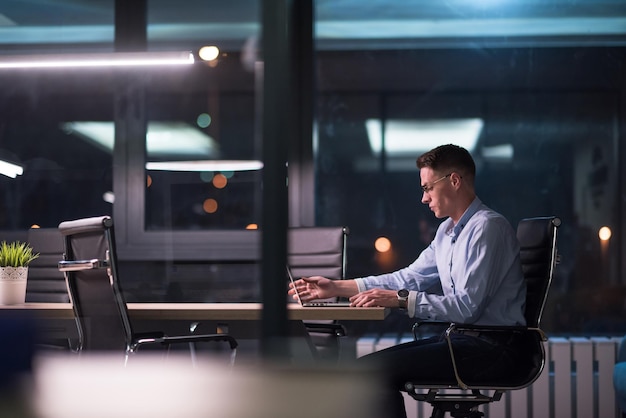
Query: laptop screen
293	282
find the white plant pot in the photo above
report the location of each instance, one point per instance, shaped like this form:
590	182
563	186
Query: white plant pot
13	285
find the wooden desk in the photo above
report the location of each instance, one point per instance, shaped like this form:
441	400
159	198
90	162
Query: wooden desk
207	311
238	319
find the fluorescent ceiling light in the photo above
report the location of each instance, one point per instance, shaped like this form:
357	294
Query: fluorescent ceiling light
414	137
503	152
206	165
10	170
474	28
114	59
329	30
163	139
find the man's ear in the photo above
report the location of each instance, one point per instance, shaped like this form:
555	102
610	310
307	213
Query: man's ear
455	179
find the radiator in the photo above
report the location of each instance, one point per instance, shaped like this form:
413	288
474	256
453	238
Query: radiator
577	381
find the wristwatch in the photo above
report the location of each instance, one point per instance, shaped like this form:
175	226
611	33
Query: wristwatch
403	298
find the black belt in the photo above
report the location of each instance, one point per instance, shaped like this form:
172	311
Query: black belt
493	337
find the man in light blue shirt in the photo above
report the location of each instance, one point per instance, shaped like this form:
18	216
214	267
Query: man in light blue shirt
474	259
470	274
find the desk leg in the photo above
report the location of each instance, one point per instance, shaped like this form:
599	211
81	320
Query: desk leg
301	347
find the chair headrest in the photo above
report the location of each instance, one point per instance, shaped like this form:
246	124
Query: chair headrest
85	225
534	232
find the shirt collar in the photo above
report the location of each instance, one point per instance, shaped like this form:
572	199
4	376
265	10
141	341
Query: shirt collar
455	230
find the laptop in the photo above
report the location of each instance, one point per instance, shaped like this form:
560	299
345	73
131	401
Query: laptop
315	304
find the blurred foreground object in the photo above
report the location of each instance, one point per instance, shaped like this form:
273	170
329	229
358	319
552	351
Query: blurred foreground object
16	361
97	386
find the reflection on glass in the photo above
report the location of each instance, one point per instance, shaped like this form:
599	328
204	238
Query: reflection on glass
57	175
538	112
221	165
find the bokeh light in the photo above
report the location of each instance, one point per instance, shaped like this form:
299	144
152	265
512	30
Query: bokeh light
108	197
206	176
220	181
208	53
382	244
210	205
604	233
203	120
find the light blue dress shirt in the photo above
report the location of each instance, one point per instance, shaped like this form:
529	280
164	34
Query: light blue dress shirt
469	274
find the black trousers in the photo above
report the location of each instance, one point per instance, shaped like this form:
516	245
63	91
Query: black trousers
428	361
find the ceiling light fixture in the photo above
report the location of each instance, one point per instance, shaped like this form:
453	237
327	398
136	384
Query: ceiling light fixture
205	165
412	137
164	139
114	59
10	169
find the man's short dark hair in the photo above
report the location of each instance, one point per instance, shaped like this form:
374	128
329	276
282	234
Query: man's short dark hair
448	158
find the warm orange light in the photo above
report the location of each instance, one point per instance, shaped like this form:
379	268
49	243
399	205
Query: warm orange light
210	206
148	181
382	244
220	181
34	226
604	233
252	226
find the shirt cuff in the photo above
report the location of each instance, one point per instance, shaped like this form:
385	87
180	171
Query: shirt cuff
360	285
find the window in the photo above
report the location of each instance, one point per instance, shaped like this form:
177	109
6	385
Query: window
39	118
542	122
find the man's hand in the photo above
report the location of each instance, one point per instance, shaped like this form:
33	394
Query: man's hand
318	287
312	288
376	297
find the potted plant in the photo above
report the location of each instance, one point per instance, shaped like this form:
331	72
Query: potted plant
14	260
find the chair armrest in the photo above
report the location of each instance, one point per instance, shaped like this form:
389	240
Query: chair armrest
418	324
166	340
482	329
77	265
232	342
494	329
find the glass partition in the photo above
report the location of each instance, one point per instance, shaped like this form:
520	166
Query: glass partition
107	141
534	89
539	109
206	175
62	173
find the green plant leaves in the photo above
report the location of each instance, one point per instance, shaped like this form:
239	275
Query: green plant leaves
16	254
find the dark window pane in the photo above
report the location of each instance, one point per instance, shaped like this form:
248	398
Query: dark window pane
65	173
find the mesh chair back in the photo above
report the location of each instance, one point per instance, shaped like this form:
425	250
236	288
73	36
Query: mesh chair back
538	254
45	282
99	307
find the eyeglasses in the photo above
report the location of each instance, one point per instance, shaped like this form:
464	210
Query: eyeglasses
427	189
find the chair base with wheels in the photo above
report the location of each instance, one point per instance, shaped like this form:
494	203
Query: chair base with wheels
459	405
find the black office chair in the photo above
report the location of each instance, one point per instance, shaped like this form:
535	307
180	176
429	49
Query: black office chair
45	282
538	253
320	251
91	274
